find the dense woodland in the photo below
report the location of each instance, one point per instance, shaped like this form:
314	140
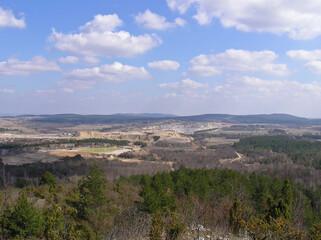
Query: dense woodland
301	151
182	204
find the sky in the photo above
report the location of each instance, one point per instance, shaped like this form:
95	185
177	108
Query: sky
182	57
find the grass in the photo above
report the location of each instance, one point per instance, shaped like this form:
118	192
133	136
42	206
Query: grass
100	150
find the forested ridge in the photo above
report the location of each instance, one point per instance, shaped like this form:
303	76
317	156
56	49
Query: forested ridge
300	150
182	204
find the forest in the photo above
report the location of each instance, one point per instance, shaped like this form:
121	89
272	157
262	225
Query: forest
302	151
182	204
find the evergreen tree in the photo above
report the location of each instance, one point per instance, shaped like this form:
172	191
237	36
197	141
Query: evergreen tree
49	179
24	220
287	193
92	189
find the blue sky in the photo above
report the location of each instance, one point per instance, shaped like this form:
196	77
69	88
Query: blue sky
181	57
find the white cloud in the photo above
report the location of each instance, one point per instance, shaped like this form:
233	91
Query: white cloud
180	5
184	85
100	37
152	20
204	71
8	19
238	61
273	89
314	66
35	65
6	90
115	72
102	23
68	60
305	55
247	95
91	60
313	57
165	65
296	18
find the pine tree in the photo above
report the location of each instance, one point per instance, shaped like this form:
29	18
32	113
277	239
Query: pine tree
92	188
49	179
24	220
287	193
287	197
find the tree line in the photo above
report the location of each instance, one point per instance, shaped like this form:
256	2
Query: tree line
182	204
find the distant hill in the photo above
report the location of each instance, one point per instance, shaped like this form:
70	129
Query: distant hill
147	117
260	118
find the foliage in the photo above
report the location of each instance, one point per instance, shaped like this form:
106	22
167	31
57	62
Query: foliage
284	207
283	229
301	151
158	193
66	141
280	229
49	179
156	229
236	218
257	228
140	143
60	223
23	220
92	194
165	205
174	227
315	232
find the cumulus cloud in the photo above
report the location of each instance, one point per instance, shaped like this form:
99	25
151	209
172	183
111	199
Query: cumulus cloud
8	19
152	20
91	60
165	65
313	57
35	65
6	90
314	66
116	72
102	23
296	18
186	84
305	55
100	37
68	60
237	61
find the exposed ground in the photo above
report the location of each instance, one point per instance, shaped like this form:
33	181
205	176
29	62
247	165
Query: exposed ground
161	145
